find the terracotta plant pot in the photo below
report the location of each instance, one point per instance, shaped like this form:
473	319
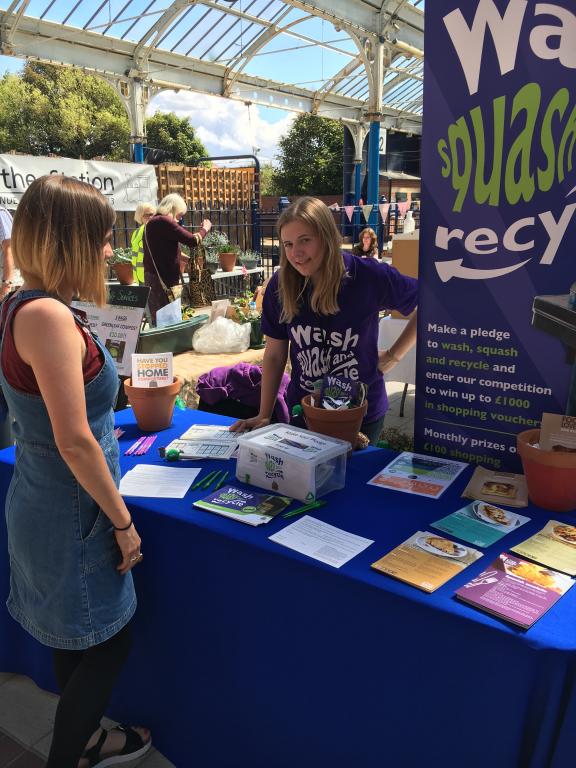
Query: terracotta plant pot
124	273
153	406
344	424
550	475
227	261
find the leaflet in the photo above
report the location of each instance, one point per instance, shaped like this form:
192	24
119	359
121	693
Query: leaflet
426	560
554	545
480	523
515	590
321	541
558	433
418	474
154	481
206	441
497	487
246	506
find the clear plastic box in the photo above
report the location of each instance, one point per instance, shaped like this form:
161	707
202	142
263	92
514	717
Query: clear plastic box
292	461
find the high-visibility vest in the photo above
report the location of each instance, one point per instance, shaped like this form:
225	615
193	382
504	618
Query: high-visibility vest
137	242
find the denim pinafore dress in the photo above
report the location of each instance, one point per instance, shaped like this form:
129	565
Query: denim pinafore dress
64	586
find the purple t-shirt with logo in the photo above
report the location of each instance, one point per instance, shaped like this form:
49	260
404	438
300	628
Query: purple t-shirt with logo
345	344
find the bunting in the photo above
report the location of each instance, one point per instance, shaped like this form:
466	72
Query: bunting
349	211
384	208
367	210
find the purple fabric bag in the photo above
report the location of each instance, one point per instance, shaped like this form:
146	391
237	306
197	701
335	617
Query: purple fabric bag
240	382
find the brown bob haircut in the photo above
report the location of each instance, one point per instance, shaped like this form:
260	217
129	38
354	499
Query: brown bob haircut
324	299
373	238
59	231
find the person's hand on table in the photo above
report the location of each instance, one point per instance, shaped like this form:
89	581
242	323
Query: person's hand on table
247	425
129	544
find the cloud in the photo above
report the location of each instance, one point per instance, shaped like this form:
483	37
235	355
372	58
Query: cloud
227	127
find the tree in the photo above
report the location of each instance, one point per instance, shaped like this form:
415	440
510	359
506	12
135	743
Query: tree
176	137
310	159
62	111
267	183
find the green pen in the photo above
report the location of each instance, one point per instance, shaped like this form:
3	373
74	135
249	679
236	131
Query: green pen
221	482
201	482
305	508
209	480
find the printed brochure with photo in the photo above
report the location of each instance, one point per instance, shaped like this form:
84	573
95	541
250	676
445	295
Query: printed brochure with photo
558	433
246	506
426	560
554	545
515	590
494	487
418	474
480	523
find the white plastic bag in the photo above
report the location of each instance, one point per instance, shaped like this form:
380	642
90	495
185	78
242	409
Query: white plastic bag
223	336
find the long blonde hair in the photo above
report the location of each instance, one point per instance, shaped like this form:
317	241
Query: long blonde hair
324	299
58	235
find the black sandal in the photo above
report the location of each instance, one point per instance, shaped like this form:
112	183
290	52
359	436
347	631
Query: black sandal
134	747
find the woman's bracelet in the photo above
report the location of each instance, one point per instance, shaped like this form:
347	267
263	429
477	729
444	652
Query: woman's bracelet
392	356
124	528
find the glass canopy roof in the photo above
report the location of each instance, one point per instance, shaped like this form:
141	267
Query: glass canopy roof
319	55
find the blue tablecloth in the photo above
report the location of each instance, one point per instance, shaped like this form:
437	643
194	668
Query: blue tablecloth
248	654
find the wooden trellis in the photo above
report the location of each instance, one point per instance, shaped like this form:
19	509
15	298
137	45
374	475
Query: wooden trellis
210	187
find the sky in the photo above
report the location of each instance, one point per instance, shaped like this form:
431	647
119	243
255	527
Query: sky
228	127
224	126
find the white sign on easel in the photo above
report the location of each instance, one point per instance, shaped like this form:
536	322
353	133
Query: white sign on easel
117	324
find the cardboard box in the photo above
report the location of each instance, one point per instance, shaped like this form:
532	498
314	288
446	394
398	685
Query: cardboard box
405	250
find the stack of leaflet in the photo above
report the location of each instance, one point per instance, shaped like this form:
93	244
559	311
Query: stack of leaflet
205	441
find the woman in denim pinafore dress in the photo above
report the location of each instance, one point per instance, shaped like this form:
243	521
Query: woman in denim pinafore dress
64	586
70	581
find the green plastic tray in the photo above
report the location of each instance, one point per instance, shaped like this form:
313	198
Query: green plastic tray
172	338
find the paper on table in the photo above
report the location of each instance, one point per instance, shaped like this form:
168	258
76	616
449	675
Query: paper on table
153	481
321	541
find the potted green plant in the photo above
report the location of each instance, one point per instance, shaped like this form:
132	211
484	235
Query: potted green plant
250	259
121	263
212	242
246	312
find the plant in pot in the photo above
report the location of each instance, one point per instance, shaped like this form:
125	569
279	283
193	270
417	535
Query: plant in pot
246	312
227	255
250	259
212	242
121	263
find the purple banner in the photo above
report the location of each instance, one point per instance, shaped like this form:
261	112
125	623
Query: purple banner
497	330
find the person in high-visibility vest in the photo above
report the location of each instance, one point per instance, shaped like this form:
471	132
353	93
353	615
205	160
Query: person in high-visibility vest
143	212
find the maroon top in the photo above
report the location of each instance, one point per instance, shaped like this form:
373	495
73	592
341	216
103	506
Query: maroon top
21	376
162	236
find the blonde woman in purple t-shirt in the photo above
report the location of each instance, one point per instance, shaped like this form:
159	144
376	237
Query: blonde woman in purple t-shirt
321	308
